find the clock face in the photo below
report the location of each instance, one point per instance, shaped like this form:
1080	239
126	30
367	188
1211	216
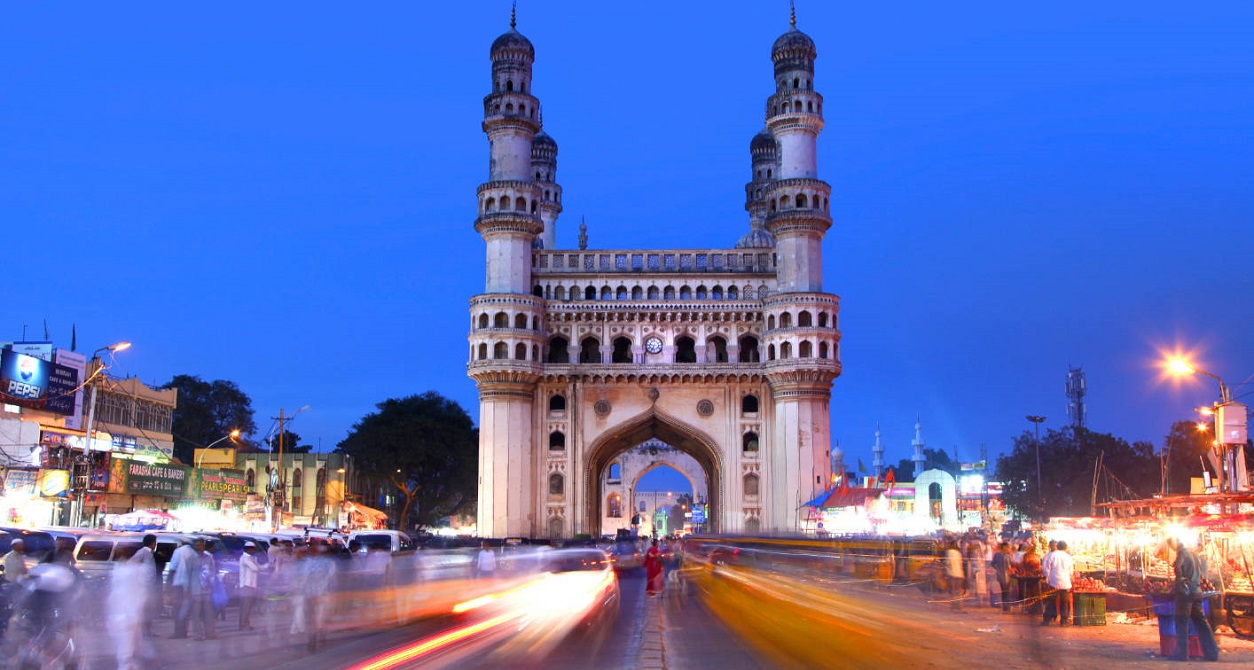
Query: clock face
653	345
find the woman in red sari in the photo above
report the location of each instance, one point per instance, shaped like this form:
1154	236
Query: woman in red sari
653	570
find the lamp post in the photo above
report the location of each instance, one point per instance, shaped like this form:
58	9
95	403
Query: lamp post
280	494
1037	421
97	368
1228	415
230	436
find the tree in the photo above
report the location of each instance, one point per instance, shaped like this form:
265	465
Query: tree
1069	472
936	459
426	447
207	412
1184	448
291	444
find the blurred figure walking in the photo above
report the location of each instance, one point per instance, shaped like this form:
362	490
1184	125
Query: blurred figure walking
653	569
185	567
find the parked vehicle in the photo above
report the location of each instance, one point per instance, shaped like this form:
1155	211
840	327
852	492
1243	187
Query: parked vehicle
39	545
626	556
393	540
96	553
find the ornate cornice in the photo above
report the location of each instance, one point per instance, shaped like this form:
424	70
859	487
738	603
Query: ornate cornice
520	223
733	373
797	221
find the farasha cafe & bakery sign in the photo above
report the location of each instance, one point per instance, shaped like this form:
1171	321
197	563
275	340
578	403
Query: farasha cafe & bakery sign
153	479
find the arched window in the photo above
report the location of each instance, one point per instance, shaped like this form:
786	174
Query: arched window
535	352
751	484
747	294
614	506
770	352
749	404
560	293
770	322
801	201
590	350
822	319
717	350
823	350
785	350
538	291
509	84
749	350
622	350
489	204
298	499
483	352
590	293
535	323
501	320
520	352
250	480
685	350
637	293
750	441
557	484
733	293
607	293
557	403
716	293
616	473
785	320
483	320
557	441
796	82
559	350
500	351
803	319
685	293
805	349
520	204
668	293
520	321
557	527
702	293
621	294
654	294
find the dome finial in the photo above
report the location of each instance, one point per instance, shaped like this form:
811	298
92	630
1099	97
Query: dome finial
513	15
792	14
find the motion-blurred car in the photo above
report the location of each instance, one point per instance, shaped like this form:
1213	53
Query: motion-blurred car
584	580
626	556
39	545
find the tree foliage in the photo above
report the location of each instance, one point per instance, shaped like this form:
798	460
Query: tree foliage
1185	447
207	412
425	446
937	459
1069	469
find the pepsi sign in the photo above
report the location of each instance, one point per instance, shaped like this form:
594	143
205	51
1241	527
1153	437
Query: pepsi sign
32	382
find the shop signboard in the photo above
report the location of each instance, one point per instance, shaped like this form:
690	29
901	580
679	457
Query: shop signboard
53	483
20	483
698	513
78	362
117	475
35	383
154	479
212	484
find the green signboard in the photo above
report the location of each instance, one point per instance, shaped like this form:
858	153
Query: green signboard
157	480
208	484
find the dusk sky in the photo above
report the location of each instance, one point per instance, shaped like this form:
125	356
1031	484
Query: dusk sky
283	194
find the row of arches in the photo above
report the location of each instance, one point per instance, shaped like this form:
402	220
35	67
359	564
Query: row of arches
624	350
796	84
805	349
509	109
508	85
804	320
812	201
502	320
518	204
621	292
557	403
790	106
501	352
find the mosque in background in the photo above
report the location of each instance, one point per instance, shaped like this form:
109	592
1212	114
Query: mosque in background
582	355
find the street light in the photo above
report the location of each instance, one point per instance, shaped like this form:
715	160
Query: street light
98	368
230	436
1179	366
1229	422
1038	420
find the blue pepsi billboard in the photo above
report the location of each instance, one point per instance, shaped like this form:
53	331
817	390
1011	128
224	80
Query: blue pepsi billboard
32	382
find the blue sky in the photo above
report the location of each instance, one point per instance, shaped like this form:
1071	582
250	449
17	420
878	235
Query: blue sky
283	194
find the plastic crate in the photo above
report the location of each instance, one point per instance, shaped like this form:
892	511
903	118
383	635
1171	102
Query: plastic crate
1167	605
1167	626
1167	646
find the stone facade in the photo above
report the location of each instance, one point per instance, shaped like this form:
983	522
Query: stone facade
727	355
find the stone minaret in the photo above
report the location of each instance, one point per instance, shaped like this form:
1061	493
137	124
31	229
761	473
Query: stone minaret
506	335
802	352
544	164
920	460
764	156
878	450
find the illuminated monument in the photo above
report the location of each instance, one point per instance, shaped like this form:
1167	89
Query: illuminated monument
580	355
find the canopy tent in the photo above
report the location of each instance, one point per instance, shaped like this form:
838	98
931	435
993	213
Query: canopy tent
361	515
846	497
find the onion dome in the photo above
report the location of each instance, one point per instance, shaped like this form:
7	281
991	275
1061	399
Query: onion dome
512	43
543	142
763	141
793	41
756	239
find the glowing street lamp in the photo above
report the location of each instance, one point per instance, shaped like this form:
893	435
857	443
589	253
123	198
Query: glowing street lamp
98	368
1229	423
231	436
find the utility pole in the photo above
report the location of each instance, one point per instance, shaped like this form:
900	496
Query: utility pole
1037	421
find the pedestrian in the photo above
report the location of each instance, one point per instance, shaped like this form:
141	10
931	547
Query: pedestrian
215	591
975	563
1001	573
653	570
130	595
953	572
145	560
249	570
185	565
1189	597
1058	577
15	571
486	563
1047	562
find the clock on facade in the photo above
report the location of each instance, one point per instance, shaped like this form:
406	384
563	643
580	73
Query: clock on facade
653	345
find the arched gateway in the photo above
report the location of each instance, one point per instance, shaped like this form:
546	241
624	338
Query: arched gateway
727	354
